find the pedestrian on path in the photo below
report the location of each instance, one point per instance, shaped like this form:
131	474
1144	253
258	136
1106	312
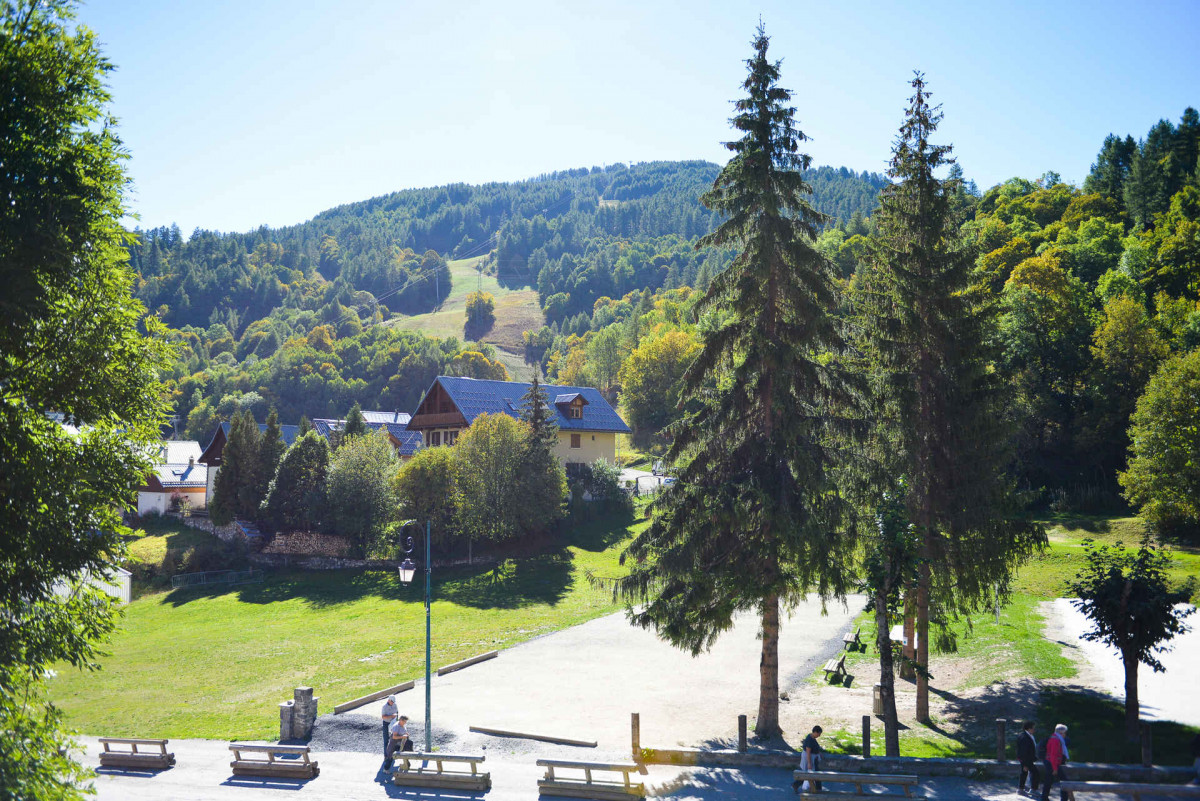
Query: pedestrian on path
810	760
1057	755
400	741
1196	758
389	716
1027	756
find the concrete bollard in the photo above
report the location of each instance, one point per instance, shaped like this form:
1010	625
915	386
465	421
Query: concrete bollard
287	711
866	736
635	730
742	734
1147	746
1001	741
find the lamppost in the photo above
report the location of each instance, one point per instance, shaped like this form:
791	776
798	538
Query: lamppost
407	569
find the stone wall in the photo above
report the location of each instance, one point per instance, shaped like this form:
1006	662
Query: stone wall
230	533
308	543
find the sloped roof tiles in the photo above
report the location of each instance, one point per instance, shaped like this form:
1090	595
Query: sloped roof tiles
475	396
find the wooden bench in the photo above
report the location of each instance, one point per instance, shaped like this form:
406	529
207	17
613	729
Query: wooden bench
588	787
244	764
851	640
858	780
412	773
157	759
1135	789
835	666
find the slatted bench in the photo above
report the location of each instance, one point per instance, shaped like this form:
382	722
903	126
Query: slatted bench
835	666
1135	789
155	759
851	640
246	764
858	780
587	786
415	770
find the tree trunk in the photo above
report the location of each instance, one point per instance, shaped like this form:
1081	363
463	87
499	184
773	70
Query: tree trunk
910	633
767	724
887	677
1132	712
923	638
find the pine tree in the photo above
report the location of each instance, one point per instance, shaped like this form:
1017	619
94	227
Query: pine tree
939	407
355	426
752	522
535	410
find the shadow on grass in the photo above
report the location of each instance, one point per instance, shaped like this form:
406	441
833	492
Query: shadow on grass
602	532
542	579
1096	724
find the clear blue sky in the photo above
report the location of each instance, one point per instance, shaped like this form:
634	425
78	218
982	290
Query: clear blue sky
239	114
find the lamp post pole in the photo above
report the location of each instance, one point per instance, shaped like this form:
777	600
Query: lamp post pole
428	640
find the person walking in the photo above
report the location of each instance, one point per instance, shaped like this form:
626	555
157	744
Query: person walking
400	741
389	717
1057	755
810	760
1027	756
1196	758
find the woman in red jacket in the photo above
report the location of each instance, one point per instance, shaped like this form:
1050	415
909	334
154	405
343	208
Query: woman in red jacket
1056	758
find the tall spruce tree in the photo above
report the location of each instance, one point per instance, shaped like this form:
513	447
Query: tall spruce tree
271	448
355	426
751	524
939	408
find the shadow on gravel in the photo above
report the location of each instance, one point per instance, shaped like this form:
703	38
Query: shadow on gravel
265	783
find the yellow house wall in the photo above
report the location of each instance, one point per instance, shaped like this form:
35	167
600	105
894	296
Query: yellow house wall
593	446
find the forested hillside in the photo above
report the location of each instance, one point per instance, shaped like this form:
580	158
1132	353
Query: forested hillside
246	306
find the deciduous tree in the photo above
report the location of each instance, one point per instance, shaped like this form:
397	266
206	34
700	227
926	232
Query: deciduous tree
358	489
81	403
1133	607
296	498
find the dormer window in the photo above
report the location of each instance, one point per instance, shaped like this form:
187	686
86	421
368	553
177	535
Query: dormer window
571	405
576	411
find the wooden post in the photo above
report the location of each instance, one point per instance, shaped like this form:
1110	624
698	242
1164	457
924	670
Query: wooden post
741	734
1147	746
635	726
866	736
1000	740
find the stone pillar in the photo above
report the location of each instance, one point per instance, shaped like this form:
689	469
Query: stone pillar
286	714
304	713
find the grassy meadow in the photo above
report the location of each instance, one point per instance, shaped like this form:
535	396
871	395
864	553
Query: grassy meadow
216	662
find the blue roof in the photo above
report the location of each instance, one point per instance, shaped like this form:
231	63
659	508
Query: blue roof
410	441
474	396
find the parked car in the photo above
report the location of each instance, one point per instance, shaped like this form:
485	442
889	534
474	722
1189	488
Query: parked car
657	469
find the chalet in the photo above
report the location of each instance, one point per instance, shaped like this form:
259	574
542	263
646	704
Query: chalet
587	424
178	473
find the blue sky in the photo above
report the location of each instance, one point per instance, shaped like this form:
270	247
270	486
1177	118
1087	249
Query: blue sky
240	114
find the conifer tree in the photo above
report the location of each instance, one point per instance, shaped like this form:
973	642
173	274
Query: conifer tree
271	448
751	524
535	410
355	426
939	409
236	483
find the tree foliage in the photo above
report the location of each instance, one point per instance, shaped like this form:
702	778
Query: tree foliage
1163	479
481	314
752	521
79	360
652	380
359	502
1133	608
295	499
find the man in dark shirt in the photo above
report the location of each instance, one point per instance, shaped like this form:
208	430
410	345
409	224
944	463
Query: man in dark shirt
1027	756
810	757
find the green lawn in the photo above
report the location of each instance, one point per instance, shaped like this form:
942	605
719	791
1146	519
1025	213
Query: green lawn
216	663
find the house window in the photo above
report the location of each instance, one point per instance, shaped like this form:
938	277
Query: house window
576	441
451	437
435	438
576	411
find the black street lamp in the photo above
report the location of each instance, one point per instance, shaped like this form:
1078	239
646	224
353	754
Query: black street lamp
407	570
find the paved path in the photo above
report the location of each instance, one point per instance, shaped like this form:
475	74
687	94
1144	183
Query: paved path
584	682
1162	696
202	774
